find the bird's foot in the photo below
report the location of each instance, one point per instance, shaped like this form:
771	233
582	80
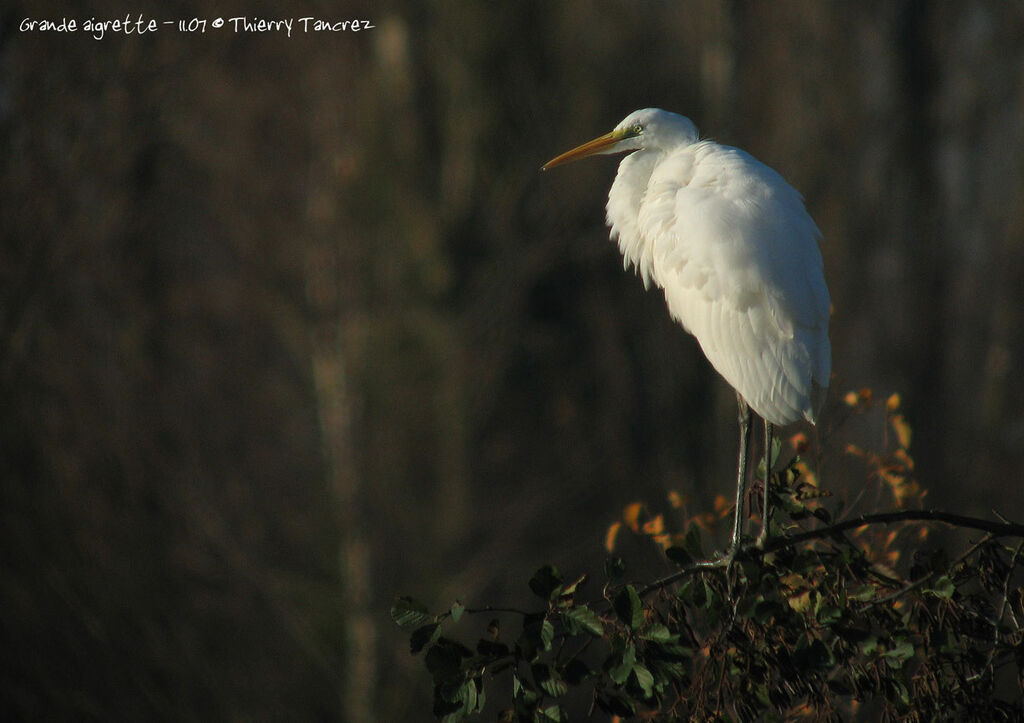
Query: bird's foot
719	559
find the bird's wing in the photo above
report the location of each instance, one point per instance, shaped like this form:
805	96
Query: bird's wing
737	256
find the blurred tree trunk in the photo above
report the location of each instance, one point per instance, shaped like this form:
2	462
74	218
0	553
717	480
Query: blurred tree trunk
335	304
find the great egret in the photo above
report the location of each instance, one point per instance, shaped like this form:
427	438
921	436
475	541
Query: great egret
736	253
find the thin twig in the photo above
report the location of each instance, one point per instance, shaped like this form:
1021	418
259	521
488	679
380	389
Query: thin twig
925	578
1006	593
994	529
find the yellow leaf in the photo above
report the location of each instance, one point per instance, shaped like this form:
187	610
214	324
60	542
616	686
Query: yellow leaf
609	539
800	602
794	581
861	396
892	403
806	474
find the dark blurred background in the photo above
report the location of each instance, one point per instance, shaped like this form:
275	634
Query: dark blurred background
291	325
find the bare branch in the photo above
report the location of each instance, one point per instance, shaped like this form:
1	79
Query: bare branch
994	529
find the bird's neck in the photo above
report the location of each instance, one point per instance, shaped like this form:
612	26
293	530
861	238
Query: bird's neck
623	207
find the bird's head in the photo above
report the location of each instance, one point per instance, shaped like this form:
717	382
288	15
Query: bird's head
648	128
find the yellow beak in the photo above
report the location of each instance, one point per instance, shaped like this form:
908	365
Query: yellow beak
588	149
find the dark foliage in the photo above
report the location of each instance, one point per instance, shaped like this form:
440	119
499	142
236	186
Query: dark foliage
831	621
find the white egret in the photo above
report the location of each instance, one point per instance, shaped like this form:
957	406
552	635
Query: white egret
736	254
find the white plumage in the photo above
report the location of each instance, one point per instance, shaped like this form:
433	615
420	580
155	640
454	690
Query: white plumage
736	254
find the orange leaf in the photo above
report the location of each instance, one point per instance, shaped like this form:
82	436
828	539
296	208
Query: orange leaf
609	539
804	710
662	541
655	525
902	430
892	403
676	500
705	522
861	396
903	458
631	515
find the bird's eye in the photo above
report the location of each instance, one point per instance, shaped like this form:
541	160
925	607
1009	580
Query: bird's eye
638	129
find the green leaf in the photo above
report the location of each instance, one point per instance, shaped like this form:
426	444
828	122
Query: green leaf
687	593
538	632
549	680
481	698
456	611
813	655
828	614
447	706
692	542
467	695
658	633
551	713
765	610
776	449
622	665
545	582
628	607
492	648
870	645
944	588
710	596
423	636
569	590
679	556
852	635
862	593
409	613
895	689
617	705
583	618
614	568
900	653
670	669
643	678
444	660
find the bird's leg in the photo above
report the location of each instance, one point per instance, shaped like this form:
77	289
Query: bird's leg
745	419
768	430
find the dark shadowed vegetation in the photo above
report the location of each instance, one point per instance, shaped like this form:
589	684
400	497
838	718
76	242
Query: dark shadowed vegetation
291	326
